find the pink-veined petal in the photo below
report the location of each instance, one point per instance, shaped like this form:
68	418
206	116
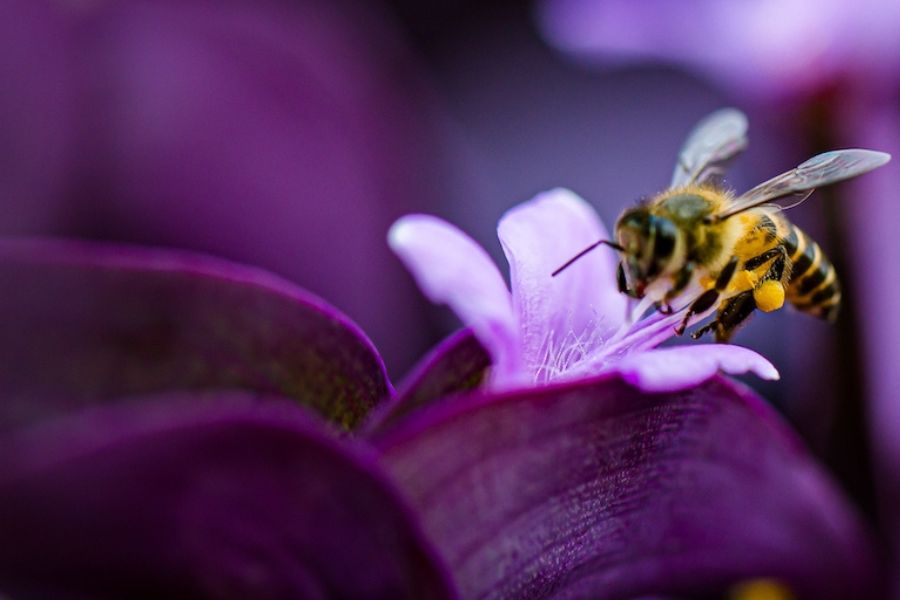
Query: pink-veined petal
682	367
566	316
453	269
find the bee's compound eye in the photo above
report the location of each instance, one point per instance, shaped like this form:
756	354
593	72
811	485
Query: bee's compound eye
664	238
620	279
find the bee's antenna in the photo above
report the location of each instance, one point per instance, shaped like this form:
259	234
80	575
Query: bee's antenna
569	262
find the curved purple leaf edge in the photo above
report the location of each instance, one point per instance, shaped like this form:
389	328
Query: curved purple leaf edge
225	496
456	365
87	322
596	490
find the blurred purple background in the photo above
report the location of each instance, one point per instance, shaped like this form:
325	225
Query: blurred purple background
289	134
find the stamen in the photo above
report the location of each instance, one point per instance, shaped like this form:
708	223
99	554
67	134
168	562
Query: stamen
560	354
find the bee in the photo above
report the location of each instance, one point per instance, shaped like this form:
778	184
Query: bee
737	253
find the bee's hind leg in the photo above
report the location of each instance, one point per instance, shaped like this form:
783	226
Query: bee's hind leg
735	311
710	296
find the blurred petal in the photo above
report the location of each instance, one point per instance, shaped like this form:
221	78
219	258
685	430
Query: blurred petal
226	497
683	367
453	269
685	31
598	491
581	306
803	48
84	323
458	364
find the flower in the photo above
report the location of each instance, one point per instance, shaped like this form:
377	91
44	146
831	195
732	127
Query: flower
175	425
550	329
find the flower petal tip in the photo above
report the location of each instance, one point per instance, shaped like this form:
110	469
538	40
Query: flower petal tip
403	231
555	199
683	367
451	268
560	194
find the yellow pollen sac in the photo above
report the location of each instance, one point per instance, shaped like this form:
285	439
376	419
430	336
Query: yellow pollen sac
769	296
761	589
742	281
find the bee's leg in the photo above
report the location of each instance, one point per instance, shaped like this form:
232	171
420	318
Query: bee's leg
734	315
681	281
769	291
710	296
712	325
703	302
759	260
778	270
735	311
731	316
622	283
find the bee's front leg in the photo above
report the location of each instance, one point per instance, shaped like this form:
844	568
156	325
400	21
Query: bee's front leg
682	279
622	282
702	303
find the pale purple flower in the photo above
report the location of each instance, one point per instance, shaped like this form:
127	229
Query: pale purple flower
547	329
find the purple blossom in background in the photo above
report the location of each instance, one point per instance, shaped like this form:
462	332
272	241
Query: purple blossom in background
552	329
176	425
766	49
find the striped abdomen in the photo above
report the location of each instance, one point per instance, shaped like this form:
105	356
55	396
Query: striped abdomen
813	287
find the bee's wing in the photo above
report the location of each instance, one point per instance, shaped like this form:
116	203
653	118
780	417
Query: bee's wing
715	139
798	183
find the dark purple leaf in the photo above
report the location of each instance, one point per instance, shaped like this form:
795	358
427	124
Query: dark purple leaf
216	497
595	490
458	364
86	322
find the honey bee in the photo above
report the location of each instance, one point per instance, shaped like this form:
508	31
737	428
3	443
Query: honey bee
736	252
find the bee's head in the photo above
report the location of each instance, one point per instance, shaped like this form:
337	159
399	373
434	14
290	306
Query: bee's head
648	243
